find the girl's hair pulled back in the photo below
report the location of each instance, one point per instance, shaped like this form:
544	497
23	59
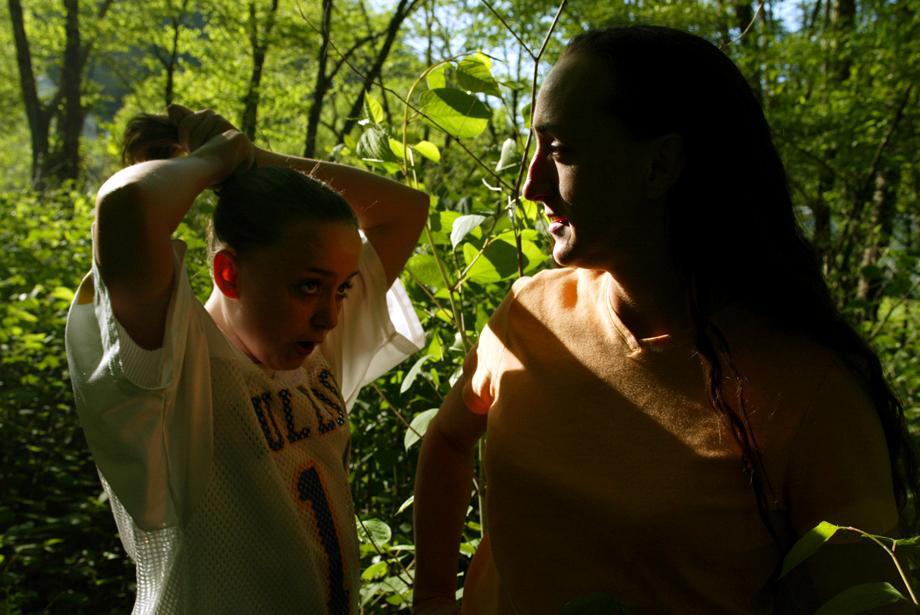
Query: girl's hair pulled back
254	207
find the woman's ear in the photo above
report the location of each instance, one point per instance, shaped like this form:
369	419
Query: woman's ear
666	164
226	273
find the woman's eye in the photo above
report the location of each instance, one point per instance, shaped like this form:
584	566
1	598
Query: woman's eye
309	287
558	150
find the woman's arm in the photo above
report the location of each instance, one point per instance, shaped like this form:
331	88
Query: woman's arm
137	210
443	484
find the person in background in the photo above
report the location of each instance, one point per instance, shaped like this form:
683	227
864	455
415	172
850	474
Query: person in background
674	406
220	431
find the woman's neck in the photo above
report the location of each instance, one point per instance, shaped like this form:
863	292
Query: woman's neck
651	302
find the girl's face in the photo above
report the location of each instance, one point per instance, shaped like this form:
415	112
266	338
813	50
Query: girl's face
589	172
289	294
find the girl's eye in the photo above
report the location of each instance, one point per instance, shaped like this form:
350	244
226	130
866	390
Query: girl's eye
309	287
343	289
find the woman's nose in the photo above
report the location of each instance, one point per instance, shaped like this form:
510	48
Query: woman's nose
541	178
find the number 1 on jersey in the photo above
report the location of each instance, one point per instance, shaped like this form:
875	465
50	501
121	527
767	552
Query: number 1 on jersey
310	489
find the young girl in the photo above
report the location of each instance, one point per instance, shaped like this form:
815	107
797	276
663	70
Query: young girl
680	401
221	431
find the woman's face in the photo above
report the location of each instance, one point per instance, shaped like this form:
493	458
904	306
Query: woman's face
589	173
290	293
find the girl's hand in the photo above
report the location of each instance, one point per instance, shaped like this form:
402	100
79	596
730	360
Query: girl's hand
231	151
205	133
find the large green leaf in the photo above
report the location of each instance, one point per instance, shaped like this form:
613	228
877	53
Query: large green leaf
861	598
807	545
459	114
373	109
429	150
374	144
413	373
498	261
441	223
374	530
474	73
425	269
462	227
419	426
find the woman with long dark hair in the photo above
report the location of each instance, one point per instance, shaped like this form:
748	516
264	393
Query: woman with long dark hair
680	401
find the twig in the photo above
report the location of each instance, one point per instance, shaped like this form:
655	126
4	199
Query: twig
398	414
509	29
881	323
386	556
749	26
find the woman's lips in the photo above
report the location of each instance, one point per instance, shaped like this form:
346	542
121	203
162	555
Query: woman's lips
557	223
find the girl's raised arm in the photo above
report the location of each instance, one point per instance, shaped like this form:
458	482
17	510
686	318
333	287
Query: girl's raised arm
391	214
137	210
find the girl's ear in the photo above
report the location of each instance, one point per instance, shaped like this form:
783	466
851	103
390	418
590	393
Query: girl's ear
666	164
226	273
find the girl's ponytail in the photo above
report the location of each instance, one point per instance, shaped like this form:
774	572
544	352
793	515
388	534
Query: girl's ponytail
150	137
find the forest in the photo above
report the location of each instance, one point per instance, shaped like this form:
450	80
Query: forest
434	93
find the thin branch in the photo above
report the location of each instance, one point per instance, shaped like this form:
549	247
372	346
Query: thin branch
749	26
509	29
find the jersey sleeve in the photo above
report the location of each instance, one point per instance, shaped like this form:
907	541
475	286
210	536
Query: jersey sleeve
148	446
378	328
839	469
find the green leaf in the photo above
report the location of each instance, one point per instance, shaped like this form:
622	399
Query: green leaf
459	114
62	293
497	262
375	571
435	347
861	598
807	545
419	426
436	78
429	150
409	501
527	114
413	373
911	545
440	223
462	226
373	109
474	73
374	530
397	148
374	144
593	604
425	268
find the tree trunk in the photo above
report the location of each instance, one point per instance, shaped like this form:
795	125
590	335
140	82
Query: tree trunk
259	47
38	116
64	162
321	85
871	283
402	11
71	122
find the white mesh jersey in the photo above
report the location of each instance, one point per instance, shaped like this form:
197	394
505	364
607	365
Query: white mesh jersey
229	483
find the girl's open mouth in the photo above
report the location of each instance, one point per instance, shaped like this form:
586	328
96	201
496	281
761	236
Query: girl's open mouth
305	348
